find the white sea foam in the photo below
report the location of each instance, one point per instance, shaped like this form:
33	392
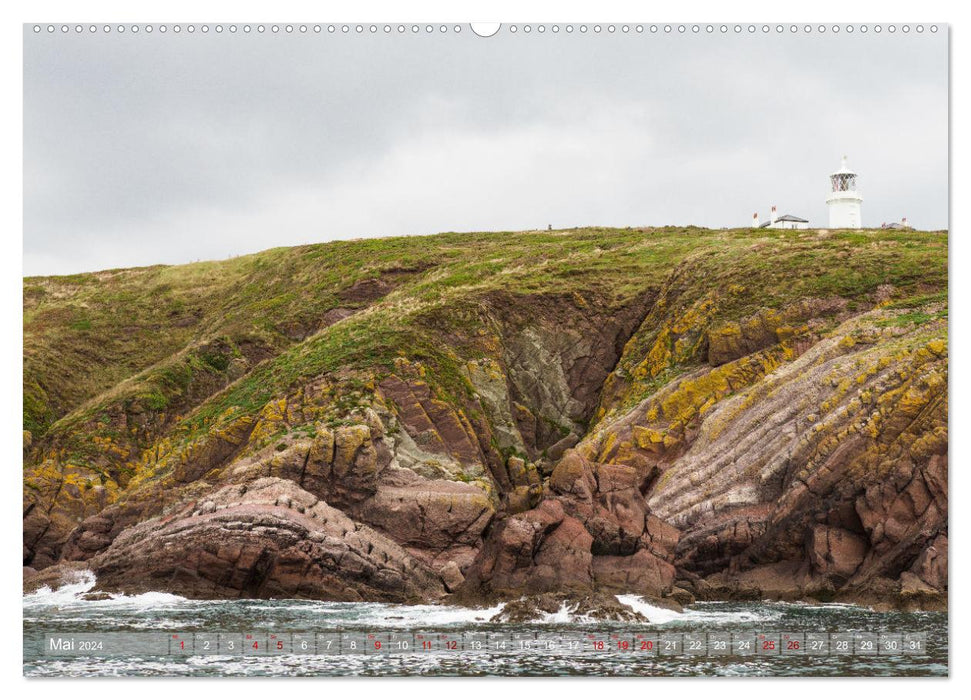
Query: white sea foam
662	616
817	606
66	594
654	613
562	616
728	617
73	594
421	615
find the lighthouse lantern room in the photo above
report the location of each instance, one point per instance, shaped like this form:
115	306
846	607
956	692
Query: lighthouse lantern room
845	210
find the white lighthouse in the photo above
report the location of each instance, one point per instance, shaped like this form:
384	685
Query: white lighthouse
845	210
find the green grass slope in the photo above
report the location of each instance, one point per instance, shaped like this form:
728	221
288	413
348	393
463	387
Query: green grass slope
174	352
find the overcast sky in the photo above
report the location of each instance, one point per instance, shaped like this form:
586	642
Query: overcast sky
152	148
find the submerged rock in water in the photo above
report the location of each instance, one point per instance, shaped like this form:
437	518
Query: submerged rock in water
595	606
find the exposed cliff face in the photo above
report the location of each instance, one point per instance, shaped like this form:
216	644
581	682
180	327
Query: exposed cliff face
818	478
659	412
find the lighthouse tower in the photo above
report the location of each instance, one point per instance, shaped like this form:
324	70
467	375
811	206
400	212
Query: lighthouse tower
844	201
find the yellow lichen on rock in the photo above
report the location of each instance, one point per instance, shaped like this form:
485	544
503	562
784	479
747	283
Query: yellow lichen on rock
270	421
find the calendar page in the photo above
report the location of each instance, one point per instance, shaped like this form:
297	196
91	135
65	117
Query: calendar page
514	349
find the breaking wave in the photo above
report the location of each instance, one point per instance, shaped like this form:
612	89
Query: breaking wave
700	613
415	616
165	610
78	593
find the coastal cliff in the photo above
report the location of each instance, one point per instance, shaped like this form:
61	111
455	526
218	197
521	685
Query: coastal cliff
680	413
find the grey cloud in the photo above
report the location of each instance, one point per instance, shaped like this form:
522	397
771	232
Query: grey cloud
164	148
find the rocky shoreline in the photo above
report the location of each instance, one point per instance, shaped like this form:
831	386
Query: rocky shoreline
574	445
264	527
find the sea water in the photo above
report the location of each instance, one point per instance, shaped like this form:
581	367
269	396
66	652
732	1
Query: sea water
67	610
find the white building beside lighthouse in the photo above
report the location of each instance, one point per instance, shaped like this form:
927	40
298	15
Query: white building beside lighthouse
776	221
844	201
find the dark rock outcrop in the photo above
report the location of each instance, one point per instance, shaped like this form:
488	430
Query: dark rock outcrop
593	533
268	538
595	606
539	551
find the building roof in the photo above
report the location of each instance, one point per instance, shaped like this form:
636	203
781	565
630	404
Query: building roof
786	217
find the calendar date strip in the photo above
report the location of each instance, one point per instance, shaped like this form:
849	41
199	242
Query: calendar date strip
343	642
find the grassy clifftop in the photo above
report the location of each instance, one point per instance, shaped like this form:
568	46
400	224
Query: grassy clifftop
85	334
